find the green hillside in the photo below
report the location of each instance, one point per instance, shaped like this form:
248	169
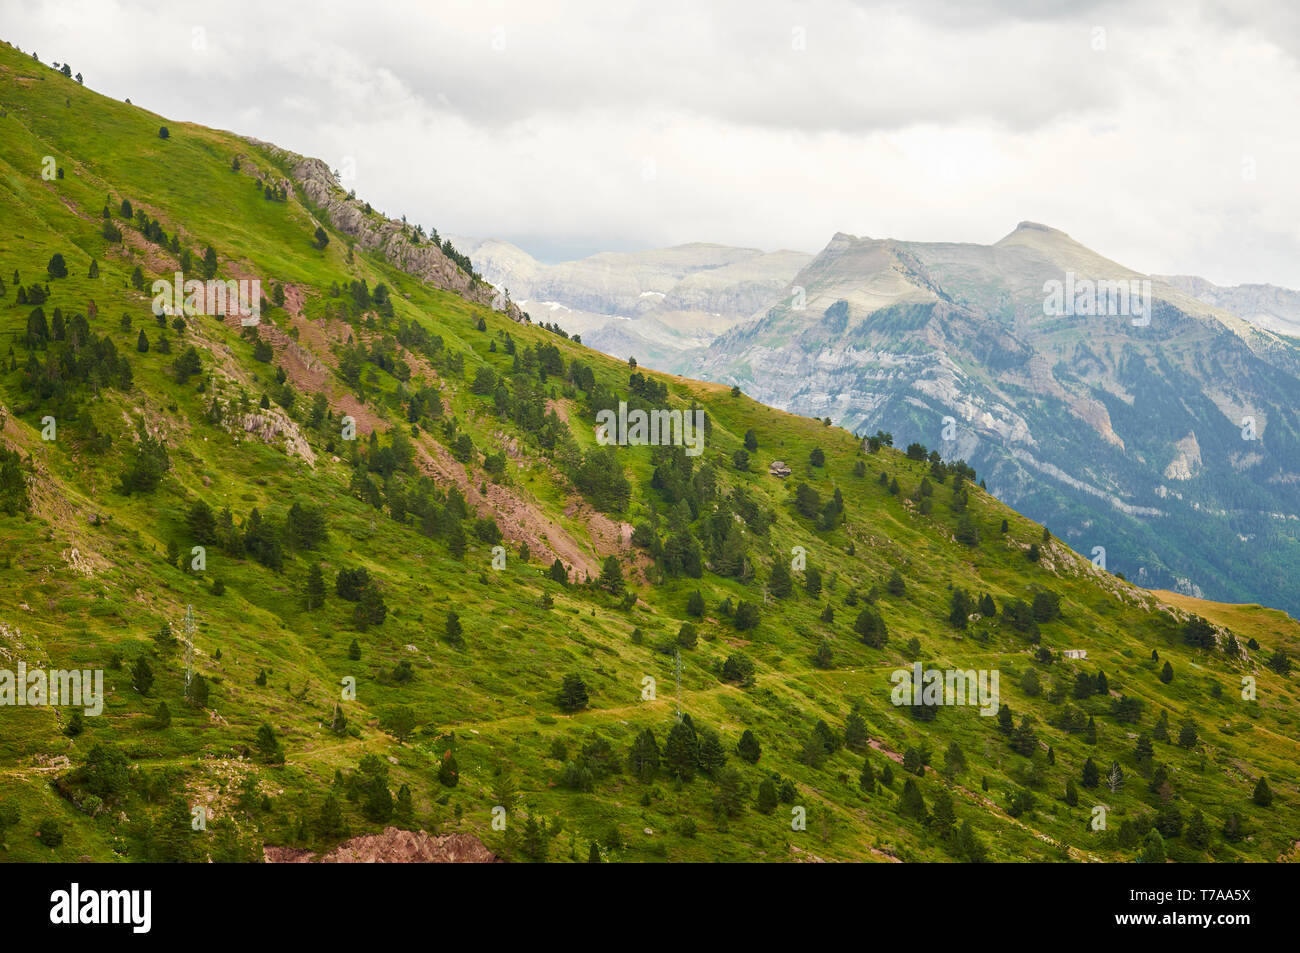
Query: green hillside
474	430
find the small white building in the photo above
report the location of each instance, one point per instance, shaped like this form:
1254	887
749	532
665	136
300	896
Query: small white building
1075	653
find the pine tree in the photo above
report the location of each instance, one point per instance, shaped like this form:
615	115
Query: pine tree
1071	793
611	575
315	591
456	542
142	342
767	797
681	751
452	627
911	803
643	761
354	651
867	778
1090	777
1198	832
339	723
855	731
870	628
1263	795
943	816
142	675
1161	730
573	693
695	604
1005	719
779	582
1167	673
748	747
954	760
1153	849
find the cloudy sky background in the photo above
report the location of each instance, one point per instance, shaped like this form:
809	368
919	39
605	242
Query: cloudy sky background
1165	140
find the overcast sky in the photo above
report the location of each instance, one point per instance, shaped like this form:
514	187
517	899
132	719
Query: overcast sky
1165	140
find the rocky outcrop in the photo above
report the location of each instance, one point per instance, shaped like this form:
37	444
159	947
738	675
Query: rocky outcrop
375	232
393	846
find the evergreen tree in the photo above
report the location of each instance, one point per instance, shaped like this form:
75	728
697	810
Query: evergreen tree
870	628
969	846
867	778
1153	849
681	751
855	731
1263	795
1167	673
1005	718
142	675
452	628
943	817
1090	777
954	760
1161	730
748	747
643	761
573	693
912	803
315	589
611	575
767	796
779	582
339	723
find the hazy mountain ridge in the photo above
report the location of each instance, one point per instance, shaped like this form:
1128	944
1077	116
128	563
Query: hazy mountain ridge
899	335
1269	306
664	305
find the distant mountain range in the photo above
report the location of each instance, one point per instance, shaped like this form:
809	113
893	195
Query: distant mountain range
1269	306
1169	440
665	306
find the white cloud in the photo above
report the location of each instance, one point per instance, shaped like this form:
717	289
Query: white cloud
938	121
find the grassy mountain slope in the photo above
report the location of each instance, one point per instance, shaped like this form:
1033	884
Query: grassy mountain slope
89	573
